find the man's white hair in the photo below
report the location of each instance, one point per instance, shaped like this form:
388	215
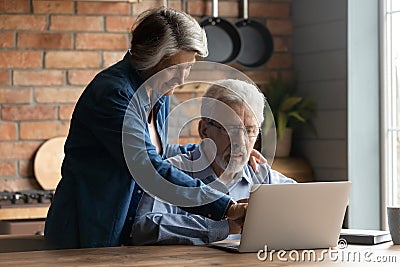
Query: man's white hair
231	91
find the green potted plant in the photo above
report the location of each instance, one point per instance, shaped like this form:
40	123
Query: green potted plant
290	112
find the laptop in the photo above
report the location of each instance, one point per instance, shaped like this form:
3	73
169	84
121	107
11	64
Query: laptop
292	217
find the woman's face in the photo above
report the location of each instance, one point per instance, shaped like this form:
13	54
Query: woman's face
175	70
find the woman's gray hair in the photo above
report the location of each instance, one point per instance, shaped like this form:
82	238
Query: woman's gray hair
162	32
230	91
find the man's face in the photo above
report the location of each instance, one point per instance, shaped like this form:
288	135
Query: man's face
234	134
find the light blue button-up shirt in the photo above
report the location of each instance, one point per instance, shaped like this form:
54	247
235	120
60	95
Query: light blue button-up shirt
158	222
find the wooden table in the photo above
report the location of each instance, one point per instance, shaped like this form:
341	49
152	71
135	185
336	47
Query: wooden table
183	256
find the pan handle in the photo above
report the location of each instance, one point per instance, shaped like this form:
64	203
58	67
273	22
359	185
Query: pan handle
245	9
185	6
215	8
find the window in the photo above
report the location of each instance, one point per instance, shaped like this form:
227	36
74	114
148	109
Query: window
391	104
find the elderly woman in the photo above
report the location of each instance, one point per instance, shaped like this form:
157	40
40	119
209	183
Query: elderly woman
97	197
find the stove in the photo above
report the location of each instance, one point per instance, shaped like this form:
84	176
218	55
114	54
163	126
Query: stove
24	212
25	197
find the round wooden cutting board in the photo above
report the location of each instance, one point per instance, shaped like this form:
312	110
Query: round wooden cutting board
47	163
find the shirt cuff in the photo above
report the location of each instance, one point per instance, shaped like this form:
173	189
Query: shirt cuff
218	230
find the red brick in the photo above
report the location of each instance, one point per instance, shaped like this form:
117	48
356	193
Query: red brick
182	132
76	23
7	40
42	77
189	140
20	59
182	97
25	168
282	44
57	95
23	22
280	27
15	95
280	61
53	7
107	41
119	23
8	131
194	125
16	113
7	168
45	40
175	4
102	8
148	4
18	149
287	75
66	111
16	184
210	75
4	78
200	8
81	77
72	59
43	130
110	58
259	76
269	10
204	8
144	5
15	6
197	89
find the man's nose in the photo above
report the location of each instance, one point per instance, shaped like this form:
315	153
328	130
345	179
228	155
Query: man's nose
240	137
238	148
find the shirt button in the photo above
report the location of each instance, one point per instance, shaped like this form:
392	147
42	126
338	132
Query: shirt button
130	218
209	215
139	191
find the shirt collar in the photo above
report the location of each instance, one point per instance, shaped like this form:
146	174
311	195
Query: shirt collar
138	82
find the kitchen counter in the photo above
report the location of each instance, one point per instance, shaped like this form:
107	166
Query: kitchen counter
191	256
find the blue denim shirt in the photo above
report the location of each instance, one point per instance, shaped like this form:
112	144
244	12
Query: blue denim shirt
158	222
97	197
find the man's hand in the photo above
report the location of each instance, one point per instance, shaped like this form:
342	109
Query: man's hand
256	157
236	214
234	227
237	211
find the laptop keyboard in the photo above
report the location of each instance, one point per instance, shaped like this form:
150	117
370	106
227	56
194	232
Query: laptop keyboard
229	244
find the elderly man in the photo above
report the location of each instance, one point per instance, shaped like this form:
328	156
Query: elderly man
232	113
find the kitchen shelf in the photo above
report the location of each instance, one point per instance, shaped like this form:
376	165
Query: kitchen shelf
20	213
296	168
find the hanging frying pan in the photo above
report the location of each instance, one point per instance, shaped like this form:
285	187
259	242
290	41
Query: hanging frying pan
257	42
224	41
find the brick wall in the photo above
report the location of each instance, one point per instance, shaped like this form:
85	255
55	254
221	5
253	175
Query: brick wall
49	51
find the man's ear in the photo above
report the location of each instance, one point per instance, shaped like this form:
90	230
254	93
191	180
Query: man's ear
202	128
